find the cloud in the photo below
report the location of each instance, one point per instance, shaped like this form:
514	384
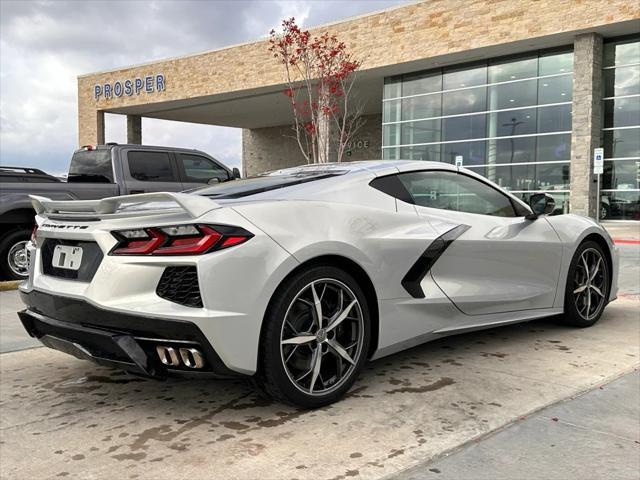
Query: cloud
45	45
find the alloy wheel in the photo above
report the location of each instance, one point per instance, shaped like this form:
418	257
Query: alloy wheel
17	259
322	336
590	283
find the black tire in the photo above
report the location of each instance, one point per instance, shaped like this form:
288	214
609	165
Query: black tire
273	377
573	314
8	241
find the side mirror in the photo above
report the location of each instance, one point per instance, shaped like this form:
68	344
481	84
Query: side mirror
235	172
541	204
213	181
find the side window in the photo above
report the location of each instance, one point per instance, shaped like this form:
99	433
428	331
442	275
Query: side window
201	169
151	166
453	191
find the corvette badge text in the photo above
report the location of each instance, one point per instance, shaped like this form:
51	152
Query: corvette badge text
49	226
129	87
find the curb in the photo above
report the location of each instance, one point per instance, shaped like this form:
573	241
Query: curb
9	285
622	241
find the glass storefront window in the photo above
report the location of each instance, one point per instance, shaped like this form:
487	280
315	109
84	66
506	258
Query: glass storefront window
554	119
425	106
492	114
421	132
511	150
552	148
555	89
512	95
620	205
473	153
391	154
391	134
464	77
621	175
391	111
547	177
512	122
622	143
507	70
622	81
464	101
466	127
429	153
555	63
619	197
392	87
621	53
418	84
622	112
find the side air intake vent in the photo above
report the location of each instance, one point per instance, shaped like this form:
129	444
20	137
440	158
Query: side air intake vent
180	285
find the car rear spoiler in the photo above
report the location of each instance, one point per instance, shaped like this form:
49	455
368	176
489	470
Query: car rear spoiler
194	205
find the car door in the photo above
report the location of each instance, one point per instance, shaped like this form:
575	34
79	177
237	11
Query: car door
197	170
150	170
496	260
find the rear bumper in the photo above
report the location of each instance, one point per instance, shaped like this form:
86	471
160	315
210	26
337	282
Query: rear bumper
115	339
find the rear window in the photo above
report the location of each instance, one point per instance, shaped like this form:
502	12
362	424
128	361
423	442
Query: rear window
262	183
91	166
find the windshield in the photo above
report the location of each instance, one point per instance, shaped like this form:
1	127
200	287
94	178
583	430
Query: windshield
91	166
262	183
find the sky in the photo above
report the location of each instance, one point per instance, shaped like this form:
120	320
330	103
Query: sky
45	45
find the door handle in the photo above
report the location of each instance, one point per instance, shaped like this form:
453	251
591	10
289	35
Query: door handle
133	192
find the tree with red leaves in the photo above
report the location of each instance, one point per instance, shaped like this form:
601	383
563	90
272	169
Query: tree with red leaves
320	74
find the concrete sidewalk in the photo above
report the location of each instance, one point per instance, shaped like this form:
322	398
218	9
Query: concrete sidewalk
13	336
593	436
623	231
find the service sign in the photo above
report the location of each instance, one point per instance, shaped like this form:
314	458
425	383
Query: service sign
598	161
129	87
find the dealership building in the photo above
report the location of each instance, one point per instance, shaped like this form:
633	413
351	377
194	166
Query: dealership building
523	92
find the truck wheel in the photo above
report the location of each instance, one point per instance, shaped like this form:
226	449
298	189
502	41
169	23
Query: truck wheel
14	264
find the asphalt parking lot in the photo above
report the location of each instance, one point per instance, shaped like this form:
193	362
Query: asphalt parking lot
61	417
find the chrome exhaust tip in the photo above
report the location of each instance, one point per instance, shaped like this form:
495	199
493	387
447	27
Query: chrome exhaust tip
192	357
168	356
189	357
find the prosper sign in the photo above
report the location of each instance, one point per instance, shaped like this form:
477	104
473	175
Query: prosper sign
130	87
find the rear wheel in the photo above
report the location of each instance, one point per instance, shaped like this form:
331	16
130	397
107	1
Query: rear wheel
14	264
316	338
588	285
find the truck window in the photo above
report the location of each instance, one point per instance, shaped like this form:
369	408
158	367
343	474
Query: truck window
201	169
151	166
91	166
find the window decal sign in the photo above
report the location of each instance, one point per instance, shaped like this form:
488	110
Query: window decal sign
129	87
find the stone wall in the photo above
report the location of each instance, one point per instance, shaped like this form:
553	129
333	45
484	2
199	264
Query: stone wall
271	148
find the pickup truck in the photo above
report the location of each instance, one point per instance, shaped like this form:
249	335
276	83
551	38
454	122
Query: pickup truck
96	172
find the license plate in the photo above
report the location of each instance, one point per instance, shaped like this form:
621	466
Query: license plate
67	257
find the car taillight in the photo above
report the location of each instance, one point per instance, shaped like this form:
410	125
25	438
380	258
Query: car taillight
34	235
178	239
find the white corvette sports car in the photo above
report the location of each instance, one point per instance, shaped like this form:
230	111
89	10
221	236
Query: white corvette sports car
298	276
